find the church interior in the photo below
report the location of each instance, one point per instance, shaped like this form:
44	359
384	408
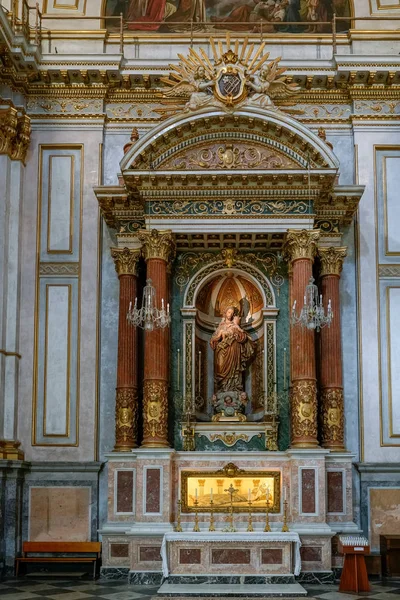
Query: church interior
199	270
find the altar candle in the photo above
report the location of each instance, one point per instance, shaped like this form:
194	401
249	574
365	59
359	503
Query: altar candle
162	303
267	495
130	306
195	493
284	493
211	494
249	495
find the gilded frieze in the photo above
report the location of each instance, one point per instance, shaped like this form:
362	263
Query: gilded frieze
229	207
235	155
378	108
64	106
324	112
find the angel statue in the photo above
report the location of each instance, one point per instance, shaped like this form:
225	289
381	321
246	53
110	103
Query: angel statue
193	80
267	85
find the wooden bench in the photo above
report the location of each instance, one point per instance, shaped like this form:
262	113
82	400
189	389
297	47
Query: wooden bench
37	548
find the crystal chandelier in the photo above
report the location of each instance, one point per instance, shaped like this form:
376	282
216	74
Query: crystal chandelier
149	317
312	314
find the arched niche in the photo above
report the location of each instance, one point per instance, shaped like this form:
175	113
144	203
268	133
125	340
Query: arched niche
207	295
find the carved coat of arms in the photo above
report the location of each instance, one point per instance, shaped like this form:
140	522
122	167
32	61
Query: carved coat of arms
235	76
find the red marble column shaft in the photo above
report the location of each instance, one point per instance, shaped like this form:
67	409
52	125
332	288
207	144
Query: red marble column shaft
127	369
158	247
300	249
331	378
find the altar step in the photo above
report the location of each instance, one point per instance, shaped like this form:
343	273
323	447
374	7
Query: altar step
243	591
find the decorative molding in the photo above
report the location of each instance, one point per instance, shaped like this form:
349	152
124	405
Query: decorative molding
389	271
49	269
82	106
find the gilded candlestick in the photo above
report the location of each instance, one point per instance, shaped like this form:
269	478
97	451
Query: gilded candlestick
285	526
267	527
212	526
250	519
178	526
196	517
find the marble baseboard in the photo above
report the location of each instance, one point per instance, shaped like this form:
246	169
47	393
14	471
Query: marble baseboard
145	577
230	579
337	573
114	573
294	590
318	577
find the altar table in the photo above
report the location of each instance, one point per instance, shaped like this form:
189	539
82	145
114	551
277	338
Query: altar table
225	553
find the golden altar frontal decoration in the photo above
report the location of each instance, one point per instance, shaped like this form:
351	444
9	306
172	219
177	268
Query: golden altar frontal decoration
258	482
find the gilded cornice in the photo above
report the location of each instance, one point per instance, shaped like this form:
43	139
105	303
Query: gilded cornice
301	244
331	260
125	260
157	244
15	131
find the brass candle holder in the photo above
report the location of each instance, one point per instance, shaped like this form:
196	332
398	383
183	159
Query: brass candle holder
178	526
267	527
285	526
250	519
196	516
212	526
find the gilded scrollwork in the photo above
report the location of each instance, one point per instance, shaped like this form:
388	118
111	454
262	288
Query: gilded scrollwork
237	155
65	106
155	413
126	419
332	418
229	438
125	260
303	403
227	207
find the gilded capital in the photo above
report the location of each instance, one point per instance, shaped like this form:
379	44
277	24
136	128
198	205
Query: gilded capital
301	244
331	260
15	132
125	260
157	244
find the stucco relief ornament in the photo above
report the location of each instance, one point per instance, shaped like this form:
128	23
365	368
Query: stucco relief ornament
235	77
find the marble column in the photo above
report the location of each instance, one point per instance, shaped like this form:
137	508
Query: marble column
127	367
158	250
300	249
331	379
14	142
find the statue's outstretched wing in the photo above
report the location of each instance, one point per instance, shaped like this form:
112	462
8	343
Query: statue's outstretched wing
279	89
180	89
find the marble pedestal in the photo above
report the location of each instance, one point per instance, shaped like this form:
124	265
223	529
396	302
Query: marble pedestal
143	488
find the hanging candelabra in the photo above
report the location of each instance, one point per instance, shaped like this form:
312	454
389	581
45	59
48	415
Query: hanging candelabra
312	314
149	317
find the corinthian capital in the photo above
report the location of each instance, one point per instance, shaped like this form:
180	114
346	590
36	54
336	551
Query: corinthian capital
157	244
331	260
125	260
301	244
15	131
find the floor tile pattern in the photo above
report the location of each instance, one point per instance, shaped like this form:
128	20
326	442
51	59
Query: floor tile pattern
56	589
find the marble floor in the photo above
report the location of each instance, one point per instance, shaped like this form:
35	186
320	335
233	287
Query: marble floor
34	589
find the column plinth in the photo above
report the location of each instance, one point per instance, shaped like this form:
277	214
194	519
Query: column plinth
300	249
127	370
158	249
331	378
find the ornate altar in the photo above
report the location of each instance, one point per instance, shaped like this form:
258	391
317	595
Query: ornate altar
218	203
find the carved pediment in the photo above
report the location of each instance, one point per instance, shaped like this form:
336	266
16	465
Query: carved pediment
235	155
